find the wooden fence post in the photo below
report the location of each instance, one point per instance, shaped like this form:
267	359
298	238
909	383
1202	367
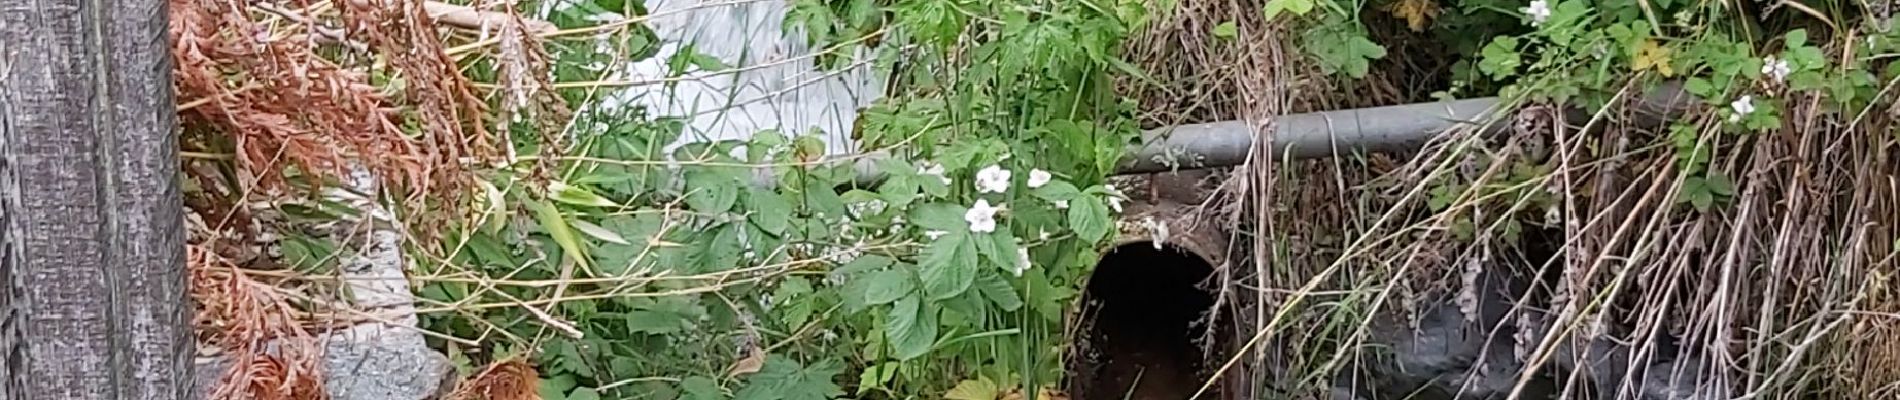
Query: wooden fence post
92	276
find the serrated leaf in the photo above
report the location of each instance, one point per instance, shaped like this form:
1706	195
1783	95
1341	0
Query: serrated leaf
887	286
785	379
997	247
1089	218
711	189
1056	191
940	217
1719	184
700	388
974	389
598	232
770	211
1653	56
995	288
948	266
911	328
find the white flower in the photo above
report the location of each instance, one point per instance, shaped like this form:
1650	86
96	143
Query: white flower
1115	197
1022	262
1038	177
1775	68
1062	204
933	235
1539	11
982	217
1042	235
992	179
1742	106
933	169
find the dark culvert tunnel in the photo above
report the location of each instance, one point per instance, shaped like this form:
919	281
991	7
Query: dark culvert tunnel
1143	313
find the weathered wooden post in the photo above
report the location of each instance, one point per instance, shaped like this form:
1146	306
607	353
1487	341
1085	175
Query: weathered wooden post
93	304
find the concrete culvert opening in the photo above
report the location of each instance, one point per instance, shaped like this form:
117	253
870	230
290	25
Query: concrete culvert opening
1143	316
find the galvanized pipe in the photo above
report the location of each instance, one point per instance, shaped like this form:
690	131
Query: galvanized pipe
1342	132
1330	133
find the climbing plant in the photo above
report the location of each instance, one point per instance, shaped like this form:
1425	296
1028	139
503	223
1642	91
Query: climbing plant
942	255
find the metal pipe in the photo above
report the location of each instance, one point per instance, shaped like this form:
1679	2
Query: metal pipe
1371	130
1328	133
1304	136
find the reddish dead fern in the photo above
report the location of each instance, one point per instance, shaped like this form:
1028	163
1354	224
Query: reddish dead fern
511	379
271	354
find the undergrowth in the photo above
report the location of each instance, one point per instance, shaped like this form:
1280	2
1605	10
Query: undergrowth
616	252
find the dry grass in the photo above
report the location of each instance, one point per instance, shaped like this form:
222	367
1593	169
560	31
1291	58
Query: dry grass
1785	291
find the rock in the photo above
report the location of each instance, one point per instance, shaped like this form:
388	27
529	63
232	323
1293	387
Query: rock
364	362
372	361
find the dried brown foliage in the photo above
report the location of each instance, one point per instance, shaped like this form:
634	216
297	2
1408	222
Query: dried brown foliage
278	103
271	354
511	379
446	107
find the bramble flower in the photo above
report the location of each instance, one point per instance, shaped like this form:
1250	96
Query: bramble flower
1022	262
1062	204
992	179
1776	69
933	235
1539	11
933	169
1742	107
1038	177
1115	197
981	216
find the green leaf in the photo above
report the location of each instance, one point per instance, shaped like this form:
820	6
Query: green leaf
583	394
577	195
654	322
1500	59
700	388
784	379
1297	7
995	288
1699	86
770	211
875	377
1089	218
940	217
712	189
1719	184
911	328
1796	38
1056	191
598	232
887	286
979	389
556	387
998	247
557	228
1226	30
949	266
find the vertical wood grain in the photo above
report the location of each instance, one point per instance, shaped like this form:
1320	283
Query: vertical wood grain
93	304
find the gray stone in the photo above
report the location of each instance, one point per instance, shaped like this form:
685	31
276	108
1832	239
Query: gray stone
364	362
